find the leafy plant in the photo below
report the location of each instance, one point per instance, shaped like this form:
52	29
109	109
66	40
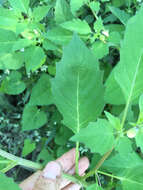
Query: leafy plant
75	69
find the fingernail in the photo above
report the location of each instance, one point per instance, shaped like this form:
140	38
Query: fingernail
52	170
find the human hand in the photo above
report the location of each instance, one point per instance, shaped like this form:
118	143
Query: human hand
50	178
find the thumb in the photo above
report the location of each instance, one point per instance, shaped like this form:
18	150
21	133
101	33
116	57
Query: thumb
50	177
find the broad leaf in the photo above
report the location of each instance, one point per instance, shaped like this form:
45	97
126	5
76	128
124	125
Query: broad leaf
34	58
121	162
28	147
59	36
95	135
33	118
20	5
77	25
41	92
75	5
132	178
7	183
62	11
12	61
77	88
13	84
130	69
120	14
40	12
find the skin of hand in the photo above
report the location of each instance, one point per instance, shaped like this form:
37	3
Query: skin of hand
50	178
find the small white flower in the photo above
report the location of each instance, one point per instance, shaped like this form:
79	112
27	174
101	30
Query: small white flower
22	50
105	33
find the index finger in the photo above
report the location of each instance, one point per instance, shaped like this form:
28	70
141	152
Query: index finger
67	160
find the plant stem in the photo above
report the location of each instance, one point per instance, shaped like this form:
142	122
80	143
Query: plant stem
92	172
77	158
110	175
9	167
21	161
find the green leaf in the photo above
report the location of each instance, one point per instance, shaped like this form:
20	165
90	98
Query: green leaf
113	90
34	58
59	36
130	69
63	135
10	43
75	5
95	6
114	121
121	162
7	183
41	92
124	146
45	156
94	187
8	18
12	84
77	25
132	178
20	5
11	61
95	135
139	138
33	118
28	147
62	11
40	12
100	49
141	103
77	77
120	14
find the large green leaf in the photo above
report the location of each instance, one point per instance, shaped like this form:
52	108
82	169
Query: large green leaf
130	70
121	162
77	25
20	5
12	61
59	36
7	183
34	58
113	90
33	118
41	92
10	43
95	135
62	11
8	19
132	178
77	88
13	84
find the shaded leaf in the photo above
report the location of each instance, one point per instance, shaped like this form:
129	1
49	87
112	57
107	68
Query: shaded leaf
34	58
75	5
33	118
12	84
41	92
7	183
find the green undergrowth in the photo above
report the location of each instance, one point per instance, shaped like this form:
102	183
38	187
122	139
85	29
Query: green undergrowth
71	76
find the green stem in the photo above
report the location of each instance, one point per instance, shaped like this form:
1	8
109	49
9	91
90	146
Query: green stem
9	167
75	179
109	175
92	172
77	158
21	161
